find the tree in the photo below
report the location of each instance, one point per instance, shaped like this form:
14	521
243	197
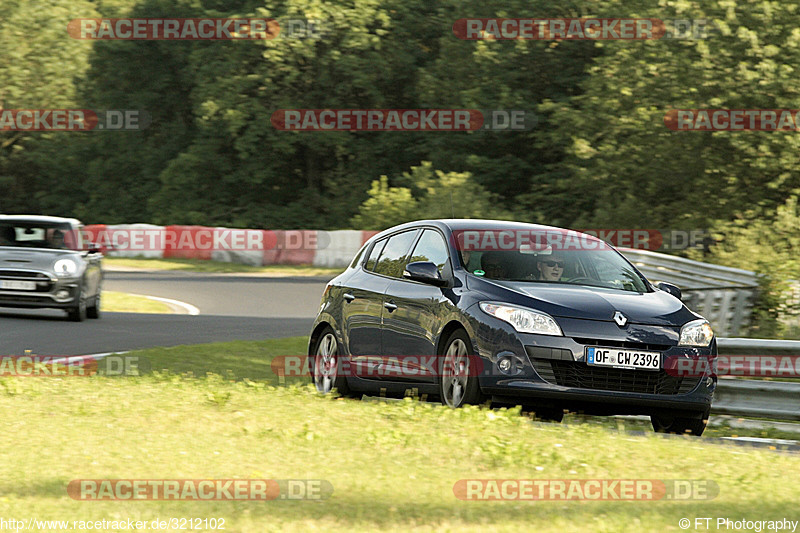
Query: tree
628	169
39	63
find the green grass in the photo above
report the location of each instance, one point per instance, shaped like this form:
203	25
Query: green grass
121	302
392	464
196	265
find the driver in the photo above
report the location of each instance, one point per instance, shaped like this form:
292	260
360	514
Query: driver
494	265
550	267
58	239
8	236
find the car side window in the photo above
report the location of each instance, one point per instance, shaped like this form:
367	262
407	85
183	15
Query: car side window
431	247
358	257
373	255
393	259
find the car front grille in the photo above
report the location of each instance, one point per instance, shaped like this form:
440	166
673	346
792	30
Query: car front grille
23	274
31	297
624	344
42	280
579	375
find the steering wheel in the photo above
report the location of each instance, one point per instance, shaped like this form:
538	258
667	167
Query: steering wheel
581	280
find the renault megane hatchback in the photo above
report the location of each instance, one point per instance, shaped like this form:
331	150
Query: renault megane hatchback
471	311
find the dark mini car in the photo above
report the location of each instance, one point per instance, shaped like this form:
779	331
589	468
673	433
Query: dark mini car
44	263
471	311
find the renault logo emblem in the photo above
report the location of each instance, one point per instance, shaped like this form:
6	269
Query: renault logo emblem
620	319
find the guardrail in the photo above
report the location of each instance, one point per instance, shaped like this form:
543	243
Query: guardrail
761	399
751	398
723	295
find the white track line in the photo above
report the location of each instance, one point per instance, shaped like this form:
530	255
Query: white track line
73	358
190	309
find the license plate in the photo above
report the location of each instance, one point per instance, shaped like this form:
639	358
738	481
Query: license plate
614	357
15	285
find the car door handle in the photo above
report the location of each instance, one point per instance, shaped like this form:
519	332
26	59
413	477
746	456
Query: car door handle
391	306
349	297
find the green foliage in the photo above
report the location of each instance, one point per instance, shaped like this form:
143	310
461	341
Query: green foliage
629	169
386	206
772	248
39	64
599	156
430	194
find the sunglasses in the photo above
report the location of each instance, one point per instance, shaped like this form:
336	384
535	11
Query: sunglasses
551	264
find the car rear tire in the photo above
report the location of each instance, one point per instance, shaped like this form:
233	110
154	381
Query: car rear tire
93	311
327	364
680	425
458	385
78	312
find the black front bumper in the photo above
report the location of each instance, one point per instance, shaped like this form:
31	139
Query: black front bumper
551	371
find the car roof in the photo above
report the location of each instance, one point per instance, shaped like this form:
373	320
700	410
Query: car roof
45	219
461	224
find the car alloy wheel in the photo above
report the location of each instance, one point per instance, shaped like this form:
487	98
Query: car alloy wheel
458	387
326	363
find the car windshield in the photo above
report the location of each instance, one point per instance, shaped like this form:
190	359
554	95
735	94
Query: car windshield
39	235
594	268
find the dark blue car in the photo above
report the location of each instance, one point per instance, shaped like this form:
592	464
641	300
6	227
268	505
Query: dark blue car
471	311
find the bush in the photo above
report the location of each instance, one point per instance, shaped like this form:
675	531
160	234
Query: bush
769	245
428	194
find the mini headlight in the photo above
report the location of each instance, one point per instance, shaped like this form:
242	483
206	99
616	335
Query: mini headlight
523	320
696	333
65	267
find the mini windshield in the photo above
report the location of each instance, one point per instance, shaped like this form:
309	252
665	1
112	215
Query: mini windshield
39	235
594	268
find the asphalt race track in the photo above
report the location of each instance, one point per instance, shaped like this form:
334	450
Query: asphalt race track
227	294
232	307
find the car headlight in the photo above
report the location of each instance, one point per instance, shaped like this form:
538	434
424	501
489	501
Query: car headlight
523	320
696	333
65	267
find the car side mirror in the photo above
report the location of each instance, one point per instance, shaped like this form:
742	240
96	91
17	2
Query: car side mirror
424	272
670	288
92	247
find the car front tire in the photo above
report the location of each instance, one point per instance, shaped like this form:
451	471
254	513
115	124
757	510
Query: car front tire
459	384
680	425
79	311
93	311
